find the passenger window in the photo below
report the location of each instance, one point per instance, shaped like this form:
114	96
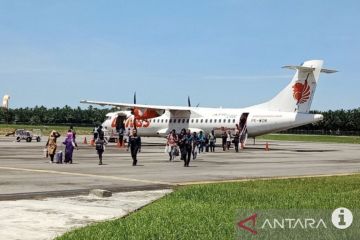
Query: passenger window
233	120
162	120
183	121
197	120
210	120
179	120
192	120
214	120
170	121
158	120
187	120
206	120
166	120
201	120
229	120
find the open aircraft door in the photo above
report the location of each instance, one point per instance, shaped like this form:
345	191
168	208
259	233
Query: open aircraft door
243	128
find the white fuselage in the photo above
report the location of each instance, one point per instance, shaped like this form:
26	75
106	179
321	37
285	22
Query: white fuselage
258	122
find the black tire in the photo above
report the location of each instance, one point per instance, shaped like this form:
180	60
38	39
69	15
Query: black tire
18	139
28	139
38	139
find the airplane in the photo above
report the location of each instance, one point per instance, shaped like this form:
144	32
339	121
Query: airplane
288	109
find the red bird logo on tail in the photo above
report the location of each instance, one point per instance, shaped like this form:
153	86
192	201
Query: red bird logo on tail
301	92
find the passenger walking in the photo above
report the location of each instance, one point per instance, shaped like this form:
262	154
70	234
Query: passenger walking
95	133
120	128
188	147
212	140
172	140
72	130
207	143
51	144
69	147
224	138
100	146
201	141
128	134
121	136
134	145
236	140
228	140
181	144
195	148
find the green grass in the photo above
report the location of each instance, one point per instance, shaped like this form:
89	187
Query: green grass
6	128
209	211
312	138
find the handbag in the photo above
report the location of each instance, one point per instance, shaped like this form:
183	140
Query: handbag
45	153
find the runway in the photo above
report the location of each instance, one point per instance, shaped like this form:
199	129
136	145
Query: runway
24	173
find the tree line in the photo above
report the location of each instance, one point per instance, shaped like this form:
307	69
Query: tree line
343	120
54	116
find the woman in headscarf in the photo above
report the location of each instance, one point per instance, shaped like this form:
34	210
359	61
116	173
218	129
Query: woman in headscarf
51	144
69	146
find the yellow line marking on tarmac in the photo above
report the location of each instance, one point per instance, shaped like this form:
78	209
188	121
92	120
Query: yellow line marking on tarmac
262	179
85	175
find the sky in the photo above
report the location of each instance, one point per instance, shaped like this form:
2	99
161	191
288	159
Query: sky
220	53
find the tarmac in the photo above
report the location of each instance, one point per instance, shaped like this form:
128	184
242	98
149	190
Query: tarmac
25	174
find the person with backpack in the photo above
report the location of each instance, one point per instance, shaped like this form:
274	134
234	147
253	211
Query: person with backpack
201	141
100	146
134	145
195	147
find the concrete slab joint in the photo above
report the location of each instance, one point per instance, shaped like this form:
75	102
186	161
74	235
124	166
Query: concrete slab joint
100	193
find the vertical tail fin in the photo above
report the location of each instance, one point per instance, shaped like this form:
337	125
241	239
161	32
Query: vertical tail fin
298	95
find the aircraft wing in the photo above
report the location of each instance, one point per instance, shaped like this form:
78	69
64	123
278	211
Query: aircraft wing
143	110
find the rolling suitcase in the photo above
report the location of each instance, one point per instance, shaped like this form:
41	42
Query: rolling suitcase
59	157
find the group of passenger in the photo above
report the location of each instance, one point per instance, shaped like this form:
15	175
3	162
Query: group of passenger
188	144
227	139
69	142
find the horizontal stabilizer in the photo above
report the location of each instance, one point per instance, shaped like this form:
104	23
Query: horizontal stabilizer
302	68
308	69
328	70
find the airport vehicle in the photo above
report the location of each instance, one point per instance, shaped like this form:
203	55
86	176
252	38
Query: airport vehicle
28	136
288	109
